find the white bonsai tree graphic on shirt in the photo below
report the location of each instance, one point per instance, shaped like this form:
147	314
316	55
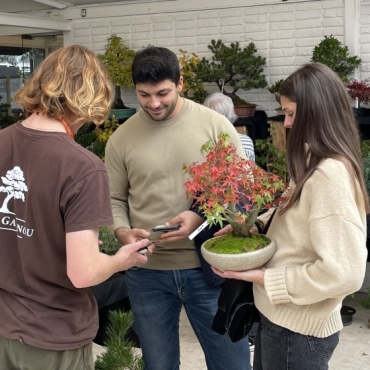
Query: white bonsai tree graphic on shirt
14	186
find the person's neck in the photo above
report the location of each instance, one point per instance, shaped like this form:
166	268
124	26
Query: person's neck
179	104
42	122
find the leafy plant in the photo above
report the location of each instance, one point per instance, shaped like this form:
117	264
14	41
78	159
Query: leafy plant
230	188
86	135
118	60
365	148
275	89
333	54
233	67
359	90
366	302
6	121
95	138
110	243
239	101
193	88
103	132
270	158
120	353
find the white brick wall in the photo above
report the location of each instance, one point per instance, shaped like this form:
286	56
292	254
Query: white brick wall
284	33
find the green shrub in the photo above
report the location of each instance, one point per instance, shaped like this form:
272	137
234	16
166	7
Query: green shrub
86	135
366	165
271	158
110	243
333	54
6	121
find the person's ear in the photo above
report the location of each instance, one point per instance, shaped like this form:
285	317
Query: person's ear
180	84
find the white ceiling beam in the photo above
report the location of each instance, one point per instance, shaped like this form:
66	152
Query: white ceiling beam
12	31
146	7
55	4
20	20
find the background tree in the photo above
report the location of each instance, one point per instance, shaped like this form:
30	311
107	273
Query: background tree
193	88
118	60
232	66
333	54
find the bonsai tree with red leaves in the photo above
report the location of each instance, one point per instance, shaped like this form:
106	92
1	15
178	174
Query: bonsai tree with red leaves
359	90
228	187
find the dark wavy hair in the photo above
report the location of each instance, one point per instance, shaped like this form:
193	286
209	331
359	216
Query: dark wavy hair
155	64
324	126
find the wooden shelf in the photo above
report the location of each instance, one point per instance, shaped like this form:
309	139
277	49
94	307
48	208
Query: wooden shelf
278	132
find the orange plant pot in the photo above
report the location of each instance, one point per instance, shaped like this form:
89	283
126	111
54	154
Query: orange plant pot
245	110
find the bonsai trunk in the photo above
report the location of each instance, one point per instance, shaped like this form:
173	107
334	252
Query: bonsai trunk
118	103
242	229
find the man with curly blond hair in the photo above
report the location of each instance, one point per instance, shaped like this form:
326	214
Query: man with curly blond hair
54	196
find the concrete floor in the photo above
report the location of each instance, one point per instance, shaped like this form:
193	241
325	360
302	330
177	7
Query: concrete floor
352	353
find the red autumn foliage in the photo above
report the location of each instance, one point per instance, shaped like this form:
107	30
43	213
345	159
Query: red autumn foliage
230	188
359	90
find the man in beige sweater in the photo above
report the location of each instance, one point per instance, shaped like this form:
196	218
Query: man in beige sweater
144	158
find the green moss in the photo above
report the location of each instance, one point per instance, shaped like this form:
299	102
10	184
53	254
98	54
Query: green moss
230	244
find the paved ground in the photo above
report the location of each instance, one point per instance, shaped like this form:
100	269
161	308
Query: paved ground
353	352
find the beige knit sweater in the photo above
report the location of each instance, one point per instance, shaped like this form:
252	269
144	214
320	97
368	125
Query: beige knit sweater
144	159
321	254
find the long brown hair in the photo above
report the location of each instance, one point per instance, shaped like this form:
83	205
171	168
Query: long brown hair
324	127
70	82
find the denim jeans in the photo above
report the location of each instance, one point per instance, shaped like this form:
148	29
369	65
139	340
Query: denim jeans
277	348
156	299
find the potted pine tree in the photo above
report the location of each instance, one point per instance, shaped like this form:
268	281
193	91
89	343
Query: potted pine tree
233	68
120	352
229	188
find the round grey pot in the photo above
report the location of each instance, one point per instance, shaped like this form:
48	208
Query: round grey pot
239	261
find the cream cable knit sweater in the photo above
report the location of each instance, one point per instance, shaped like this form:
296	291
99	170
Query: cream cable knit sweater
321	254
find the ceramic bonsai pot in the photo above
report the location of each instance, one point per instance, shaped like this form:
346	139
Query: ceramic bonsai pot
245	110
346	313
122	113
239	261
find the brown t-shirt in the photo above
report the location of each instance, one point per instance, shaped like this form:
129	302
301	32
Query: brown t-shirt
49	185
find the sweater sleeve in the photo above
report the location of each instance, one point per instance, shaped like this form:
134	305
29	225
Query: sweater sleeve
118	184
335	260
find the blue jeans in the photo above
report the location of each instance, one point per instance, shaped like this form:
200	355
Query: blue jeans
277	348
156	299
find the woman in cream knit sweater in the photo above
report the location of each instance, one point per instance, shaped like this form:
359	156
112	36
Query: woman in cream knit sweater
320	231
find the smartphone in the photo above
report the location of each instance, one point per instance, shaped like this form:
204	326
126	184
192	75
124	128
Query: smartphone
164	228
143	250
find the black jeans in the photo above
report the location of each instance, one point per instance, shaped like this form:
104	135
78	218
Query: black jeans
277	348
